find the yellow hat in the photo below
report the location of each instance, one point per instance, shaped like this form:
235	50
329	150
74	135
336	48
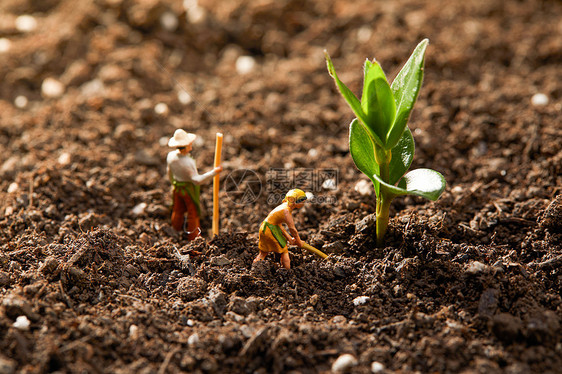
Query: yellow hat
295	196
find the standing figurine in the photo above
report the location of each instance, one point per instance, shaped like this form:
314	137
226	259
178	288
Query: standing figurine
273	237
186	182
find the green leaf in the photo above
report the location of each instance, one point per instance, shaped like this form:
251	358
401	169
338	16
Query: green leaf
351	99
406	87
362	151
421	182
402	156
377	100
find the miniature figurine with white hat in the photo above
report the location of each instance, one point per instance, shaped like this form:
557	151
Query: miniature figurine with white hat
186	182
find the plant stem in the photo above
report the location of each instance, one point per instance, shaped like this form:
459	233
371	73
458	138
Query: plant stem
383	208
385	172
383	205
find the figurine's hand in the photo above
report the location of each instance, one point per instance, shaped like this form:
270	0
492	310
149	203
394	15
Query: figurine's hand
218	169
297	242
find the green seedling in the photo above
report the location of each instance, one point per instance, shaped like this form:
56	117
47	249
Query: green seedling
380	141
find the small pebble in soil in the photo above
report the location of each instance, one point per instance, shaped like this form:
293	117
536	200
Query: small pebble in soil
377	367
364	187
339	319
9	211
245	64
22	323
456	190
477	267
169	21
138	209
539	99
193	339
52	88
344	363
184	98
64	159
329	184
194	13
161	109
312	152
364	34
134	332
273	103
13	187
94	87
360	300
26	23
5	45
20	102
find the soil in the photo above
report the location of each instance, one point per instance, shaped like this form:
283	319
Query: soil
94	279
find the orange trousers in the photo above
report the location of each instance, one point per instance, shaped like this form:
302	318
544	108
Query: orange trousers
183	204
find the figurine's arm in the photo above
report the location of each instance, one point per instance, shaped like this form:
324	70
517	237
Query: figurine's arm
190	171
198	179
295	240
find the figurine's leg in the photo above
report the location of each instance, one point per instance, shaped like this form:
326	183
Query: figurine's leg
261	256
285	260
193	224
178	212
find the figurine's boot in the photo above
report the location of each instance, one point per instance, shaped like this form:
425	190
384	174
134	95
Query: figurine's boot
193	228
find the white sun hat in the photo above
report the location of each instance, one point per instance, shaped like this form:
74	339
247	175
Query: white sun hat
181	139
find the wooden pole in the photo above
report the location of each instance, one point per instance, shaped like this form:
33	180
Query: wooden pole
216	186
